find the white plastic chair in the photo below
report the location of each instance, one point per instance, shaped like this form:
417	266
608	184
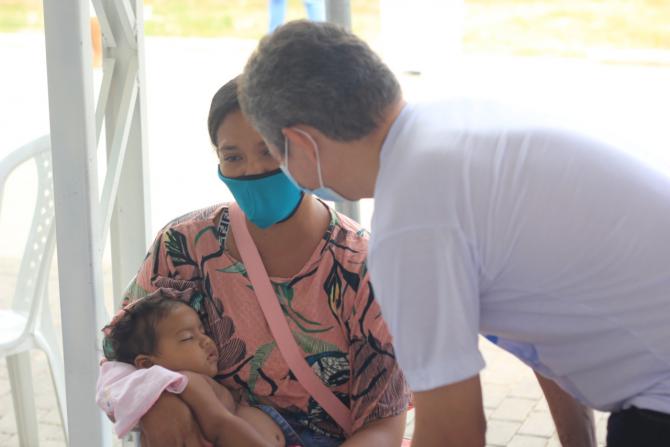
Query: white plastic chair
28	325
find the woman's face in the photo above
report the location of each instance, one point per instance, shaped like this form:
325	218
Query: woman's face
241	150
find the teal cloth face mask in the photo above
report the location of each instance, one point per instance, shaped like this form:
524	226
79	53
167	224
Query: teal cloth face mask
265	199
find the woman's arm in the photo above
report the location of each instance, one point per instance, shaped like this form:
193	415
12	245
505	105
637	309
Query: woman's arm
574	422
386	432
378	384
220	425
170	423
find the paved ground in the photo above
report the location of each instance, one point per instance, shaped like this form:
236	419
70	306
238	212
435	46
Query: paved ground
621	102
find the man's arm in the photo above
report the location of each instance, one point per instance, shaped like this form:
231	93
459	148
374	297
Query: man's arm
574	422
452	415
386	432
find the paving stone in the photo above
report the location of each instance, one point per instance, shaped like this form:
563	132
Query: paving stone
542	405
494	395
528	389
513	409
8	423
499	433
553	441
527	441
538	424
409	425
10	441
51	443
51	417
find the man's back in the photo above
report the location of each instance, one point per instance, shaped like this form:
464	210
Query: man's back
554	243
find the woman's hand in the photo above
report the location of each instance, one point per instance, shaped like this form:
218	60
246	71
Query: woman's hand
170	423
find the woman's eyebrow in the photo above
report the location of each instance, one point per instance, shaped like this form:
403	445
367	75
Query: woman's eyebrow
227	147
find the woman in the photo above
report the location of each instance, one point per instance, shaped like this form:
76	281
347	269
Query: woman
316	261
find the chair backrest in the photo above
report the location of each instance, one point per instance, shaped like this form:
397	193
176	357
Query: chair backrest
32	279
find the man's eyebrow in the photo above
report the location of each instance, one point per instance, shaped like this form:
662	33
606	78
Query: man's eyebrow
227	147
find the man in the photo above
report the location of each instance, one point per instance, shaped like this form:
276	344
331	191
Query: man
553	243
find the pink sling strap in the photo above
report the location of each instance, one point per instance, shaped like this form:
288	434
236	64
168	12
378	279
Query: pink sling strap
279	327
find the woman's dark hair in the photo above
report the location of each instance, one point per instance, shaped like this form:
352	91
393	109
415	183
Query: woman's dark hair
224	102
134	332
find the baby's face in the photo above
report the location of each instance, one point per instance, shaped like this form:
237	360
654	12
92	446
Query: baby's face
183	345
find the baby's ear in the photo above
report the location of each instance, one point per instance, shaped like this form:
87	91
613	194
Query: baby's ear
143	361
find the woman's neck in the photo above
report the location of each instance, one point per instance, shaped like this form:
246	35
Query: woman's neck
286	247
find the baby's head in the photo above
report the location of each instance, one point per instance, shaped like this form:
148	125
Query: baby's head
161	330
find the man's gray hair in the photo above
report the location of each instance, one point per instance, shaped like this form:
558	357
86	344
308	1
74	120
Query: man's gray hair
317	74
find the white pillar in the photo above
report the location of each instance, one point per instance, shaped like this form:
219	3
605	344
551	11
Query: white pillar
129	221
68	47
339	12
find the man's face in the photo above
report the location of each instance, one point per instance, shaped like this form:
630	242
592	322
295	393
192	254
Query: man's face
310	159
183	345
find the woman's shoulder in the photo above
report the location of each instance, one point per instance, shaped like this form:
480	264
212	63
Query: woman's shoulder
195	221
349	238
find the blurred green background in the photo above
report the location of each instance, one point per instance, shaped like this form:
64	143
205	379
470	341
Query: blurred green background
521	27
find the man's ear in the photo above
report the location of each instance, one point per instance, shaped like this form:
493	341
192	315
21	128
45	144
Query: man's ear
299	140
143	361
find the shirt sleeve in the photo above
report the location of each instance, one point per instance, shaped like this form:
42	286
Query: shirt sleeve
378	386
426	281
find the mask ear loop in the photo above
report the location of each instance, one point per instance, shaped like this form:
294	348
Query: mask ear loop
318	158
285	161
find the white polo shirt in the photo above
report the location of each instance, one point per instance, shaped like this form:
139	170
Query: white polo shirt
554	244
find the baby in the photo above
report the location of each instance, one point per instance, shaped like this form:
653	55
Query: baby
161	330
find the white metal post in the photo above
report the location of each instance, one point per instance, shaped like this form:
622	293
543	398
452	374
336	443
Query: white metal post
339	12
129	220
73	137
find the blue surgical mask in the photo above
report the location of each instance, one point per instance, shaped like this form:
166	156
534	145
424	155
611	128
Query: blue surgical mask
322	191
265	199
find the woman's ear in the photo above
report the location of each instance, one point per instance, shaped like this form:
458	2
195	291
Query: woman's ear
143	361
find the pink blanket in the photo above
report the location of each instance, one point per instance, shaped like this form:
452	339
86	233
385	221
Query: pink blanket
126	393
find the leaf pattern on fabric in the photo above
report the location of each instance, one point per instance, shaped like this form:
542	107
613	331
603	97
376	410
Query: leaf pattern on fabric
312	345
331	366
134	292
237	267
260	356
177	248
284	292
208	229
336	284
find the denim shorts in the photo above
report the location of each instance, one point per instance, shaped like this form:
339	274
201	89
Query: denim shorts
299	436
290	435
